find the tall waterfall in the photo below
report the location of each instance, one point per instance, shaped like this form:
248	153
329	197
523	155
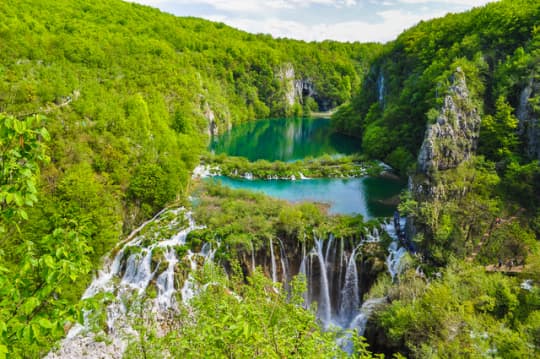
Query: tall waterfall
333	282
325	306
395	252
380	88
273	260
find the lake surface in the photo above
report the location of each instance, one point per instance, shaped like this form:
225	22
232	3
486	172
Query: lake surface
284	140
294	139
365	196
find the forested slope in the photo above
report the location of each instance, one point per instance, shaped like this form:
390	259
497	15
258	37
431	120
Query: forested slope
453	103
129	96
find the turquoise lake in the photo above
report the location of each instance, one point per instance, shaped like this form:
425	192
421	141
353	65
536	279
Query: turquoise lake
293	139
284	140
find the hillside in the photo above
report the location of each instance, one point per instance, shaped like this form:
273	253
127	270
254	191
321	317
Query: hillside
106	107
453	103
129	96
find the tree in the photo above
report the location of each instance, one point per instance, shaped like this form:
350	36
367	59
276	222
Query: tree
498	138
21	151
33	274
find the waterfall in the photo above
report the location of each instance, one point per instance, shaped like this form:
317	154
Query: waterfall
284	264
252	257
350	296
273	260
360	321
138	270
165	282
127	278
393	261
380	88
325	306
395	252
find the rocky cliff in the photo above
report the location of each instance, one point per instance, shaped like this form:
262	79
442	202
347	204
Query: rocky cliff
454	136
529	123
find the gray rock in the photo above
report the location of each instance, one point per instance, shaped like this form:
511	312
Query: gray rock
453	137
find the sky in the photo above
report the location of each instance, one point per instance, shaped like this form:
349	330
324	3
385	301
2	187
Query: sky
318	20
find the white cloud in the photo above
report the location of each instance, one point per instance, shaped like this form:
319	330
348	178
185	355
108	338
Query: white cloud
393	22
376	20
254	6
467	3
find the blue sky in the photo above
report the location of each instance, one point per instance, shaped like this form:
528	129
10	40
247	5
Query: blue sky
343	20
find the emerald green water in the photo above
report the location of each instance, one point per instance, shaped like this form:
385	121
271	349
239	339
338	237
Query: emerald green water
284	140
293	139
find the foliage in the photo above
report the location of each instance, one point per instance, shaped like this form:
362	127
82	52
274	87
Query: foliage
230	318
243	220
34	273
497	47
21	151
465	313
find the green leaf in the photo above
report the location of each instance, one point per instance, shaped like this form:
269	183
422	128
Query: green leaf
23	214
45	323
48	261
31	304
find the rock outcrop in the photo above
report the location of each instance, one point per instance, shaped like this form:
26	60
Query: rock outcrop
529	122
454	136
211	118
297	89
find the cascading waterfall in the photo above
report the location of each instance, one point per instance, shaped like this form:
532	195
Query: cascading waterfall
129	275
336	287
395	252
252	257
145	259
165	282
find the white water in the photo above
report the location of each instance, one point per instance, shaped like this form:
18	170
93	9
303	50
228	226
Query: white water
359	322
338	295
350	292
273	260
127	280
284	264
325	306
395	252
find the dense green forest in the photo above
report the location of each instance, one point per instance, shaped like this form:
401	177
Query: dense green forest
128	95
474	193
106	107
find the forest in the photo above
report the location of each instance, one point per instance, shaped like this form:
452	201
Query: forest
106	107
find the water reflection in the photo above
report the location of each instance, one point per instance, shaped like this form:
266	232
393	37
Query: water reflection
284	140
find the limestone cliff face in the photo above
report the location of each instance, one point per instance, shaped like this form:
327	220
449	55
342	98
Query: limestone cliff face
296	90
529	122
453	137
287	75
